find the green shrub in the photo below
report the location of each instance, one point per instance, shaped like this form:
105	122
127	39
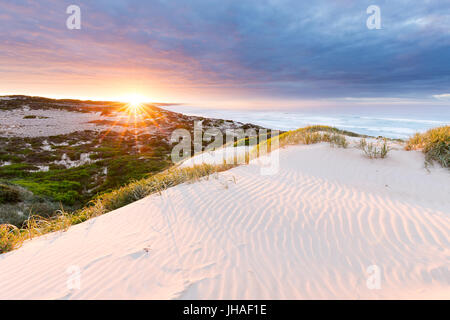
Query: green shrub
12	237
67	192
16	170
11	214
9	157
9	194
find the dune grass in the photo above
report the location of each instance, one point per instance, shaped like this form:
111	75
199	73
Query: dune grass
374	150
336	140
309	135
435	144
12	237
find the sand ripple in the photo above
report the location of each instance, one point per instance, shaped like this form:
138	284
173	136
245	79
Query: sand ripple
308	232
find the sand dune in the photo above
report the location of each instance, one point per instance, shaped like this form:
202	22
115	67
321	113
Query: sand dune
309	232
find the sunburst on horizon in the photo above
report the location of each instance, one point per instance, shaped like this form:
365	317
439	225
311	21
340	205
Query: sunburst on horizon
134	114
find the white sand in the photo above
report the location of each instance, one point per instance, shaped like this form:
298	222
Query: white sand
310	231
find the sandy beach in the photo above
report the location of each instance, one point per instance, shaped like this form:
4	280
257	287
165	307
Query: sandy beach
311	231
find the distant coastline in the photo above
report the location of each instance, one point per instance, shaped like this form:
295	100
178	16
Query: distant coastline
399	123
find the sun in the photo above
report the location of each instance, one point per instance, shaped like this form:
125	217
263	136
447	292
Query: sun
135	101
135	114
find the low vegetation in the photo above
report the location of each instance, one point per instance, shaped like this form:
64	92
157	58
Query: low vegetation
34	117
11	237
51	169
9	194
435	144
374	150
310	135
69	170
336	140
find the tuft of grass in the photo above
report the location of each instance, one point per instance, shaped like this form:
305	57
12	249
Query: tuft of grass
310	135
435	144
336	140
374	150
12	237
331	130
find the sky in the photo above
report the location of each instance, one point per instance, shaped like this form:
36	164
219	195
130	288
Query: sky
254	53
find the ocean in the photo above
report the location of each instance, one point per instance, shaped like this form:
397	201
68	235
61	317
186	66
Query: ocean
399	122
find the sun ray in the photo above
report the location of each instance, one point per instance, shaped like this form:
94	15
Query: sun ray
135	118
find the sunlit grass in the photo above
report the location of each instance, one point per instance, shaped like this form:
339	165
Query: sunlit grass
12	237
435	144
309	135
